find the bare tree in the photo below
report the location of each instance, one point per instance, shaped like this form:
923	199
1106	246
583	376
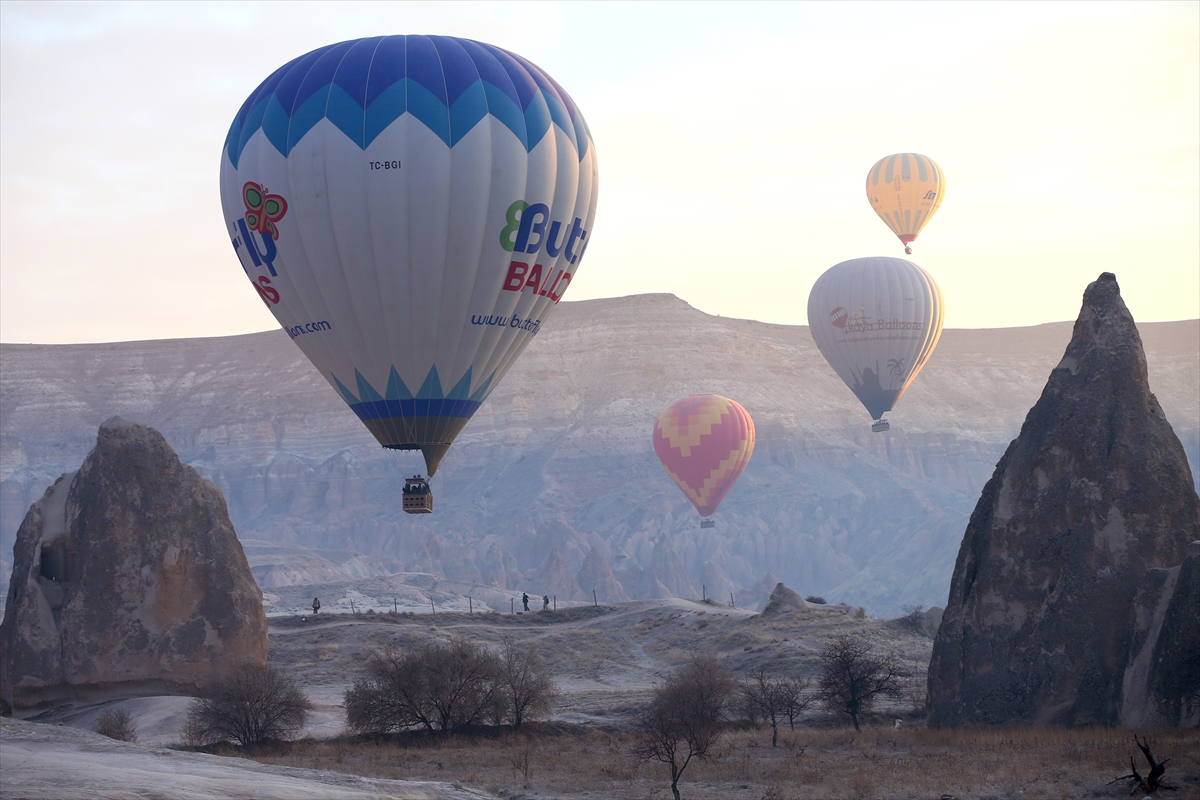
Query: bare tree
853	675
252	705
525	684
390	697
115	723
795	697
914	615
438	686
684	718
773	699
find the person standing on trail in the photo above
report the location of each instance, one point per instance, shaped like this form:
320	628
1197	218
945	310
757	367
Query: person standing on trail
545	602
316	605
525	600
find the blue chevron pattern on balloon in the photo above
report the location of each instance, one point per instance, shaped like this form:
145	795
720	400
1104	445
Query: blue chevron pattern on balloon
429	400
364	85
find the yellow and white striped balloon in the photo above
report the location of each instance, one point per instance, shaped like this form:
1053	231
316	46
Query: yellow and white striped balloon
906	189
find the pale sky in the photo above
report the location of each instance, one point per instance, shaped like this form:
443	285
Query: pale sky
733	142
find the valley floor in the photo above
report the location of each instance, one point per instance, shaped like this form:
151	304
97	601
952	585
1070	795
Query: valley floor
606	660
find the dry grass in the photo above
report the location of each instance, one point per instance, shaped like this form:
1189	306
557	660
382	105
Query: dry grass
573	761
607	660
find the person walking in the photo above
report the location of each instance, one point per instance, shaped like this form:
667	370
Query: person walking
525	600
545	602
316	605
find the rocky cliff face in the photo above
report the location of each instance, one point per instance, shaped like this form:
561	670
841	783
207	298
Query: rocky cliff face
128	578
1095	492
560	455
1161	685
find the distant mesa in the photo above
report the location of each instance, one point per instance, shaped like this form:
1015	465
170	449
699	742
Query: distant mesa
558	458
1071	602
128	579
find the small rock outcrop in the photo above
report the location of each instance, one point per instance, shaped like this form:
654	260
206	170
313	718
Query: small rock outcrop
784	601
127	578
1094	493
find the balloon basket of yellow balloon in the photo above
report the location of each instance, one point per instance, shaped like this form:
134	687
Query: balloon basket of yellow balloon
879	426
708	523
908	251
418	499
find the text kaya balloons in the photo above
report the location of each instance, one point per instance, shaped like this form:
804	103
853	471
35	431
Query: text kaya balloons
876	321
704	442
411	209
905	190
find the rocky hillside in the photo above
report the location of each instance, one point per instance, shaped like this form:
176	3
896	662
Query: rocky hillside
559	462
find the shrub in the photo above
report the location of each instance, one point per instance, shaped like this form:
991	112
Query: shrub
812	598
253	705
914	615
115	723
438	686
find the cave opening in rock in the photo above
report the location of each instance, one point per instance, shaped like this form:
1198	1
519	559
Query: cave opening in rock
56	561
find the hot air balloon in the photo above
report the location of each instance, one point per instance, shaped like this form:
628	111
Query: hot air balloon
905	190
411	209
876	321
704	443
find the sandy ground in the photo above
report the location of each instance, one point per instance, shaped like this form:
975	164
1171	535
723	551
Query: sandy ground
52	762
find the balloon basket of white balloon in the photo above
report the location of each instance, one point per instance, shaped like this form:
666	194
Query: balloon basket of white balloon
708	523
418	499
879	426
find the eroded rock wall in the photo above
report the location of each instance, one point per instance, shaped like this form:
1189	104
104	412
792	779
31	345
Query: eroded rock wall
1094	493
127	578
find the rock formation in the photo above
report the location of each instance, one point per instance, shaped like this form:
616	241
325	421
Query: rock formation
784	601
128	578
493	571
1094	493
554	578
665	576
714	584
1161	685
756	596
596	576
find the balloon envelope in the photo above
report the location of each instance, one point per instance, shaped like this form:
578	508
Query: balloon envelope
876	321
905	190
704	442
411	209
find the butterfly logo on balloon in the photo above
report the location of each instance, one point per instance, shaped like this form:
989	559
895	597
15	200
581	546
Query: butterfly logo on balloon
263	210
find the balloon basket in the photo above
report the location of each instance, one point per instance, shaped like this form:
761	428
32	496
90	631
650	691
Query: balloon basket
418	499
879	426
708	523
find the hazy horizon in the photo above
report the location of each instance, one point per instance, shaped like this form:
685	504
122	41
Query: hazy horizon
574	302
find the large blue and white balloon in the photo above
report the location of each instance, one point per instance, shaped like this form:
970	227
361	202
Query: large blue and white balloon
411	209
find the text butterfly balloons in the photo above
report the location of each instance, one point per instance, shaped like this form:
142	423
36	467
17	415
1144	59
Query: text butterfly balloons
704	443
876	321
411	209
906	189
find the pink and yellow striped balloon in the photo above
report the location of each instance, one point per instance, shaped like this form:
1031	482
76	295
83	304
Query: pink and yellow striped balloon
704	443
